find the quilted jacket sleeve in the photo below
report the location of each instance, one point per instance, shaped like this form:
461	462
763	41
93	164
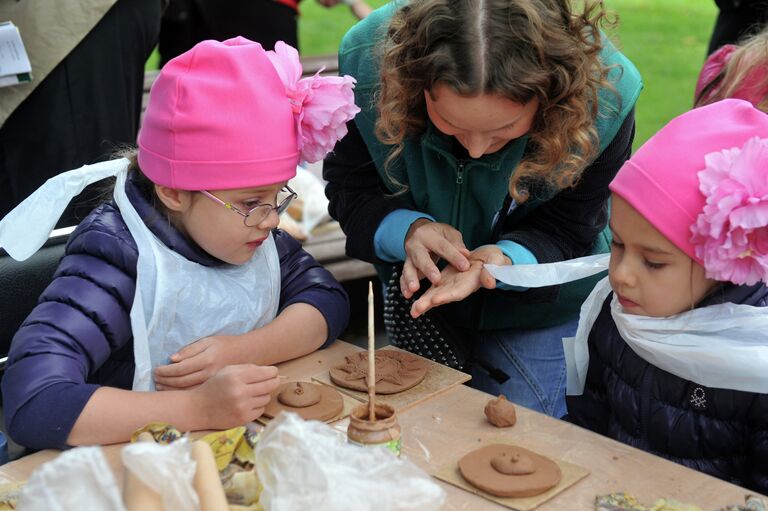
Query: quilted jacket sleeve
81	319
304	280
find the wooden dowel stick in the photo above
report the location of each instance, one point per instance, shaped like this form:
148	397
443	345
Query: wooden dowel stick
136	495
207	482
371	357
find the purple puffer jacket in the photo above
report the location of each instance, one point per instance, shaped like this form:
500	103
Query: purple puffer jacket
78	337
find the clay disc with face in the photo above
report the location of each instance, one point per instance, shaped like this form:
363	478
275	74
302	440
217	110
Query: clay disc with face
330	405
476	468
396	371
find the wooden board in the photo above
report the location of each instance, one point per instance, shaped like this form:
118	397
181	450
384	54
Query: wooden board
439	378
571	475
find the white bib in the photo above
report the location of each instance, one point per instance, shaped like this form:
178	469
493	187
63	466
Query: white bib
721	346
179	301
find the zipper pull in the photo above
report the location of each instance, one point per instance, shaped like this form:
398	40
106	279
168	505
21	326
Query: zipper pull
460	173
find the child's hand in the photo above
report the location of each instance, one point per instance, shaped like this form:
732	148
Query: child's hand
235	395
196	363
425	244
455	285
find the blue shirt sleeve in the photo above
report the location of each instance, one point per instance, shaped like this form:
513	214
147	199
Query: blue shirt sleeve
389	240
518	254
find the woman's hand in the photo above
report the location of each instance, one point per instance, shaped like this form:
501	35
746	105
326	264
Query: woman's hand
196	363
426	243
235	395
455	285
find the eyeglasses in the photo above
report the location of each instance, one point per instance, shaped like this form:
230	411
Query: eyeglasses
256	215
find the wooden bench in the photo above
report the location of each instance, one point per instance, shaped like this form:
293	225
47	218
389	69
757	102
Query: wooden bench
326	243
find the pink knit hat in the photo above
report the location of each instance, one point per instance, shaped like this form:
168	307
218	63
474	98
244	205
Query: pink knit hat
702	181
231	115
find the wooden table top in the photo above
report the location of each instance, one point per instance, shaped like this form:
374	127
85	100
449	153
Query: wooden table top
442	428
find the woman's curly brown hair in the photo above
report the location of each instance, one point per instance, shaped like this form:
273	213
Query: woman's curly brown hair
519	49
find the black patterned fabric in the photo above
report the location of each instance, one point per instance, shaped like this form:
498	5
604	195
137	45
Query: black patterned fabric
428	335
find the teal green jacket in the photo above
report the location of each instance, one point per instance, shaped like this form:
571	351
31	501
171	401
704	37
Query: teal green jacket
468	194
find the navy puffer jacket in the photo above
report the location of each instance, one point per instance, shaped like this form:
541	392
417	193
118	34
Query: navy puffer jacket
79	336
723	433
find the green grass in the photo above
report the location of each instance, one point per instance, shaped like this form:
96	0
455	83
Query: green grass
666	39
321	29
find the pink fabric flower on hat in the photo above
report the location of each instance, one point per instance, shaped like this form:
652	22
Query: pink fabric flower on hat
322	105
731	233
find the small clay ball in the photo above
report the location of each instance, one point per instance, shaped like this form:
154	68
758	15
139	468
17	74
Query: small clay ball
515	464
299	395
500	412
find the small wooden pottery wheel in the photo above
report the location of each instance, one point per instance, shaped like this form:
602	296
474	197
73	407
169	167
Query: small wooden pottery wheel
509	471
309	400
396	371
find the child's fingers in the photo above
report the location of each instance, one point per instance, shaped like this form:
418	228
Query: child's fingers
258	374
421	305
456	291
409	280
189	351
487	280
187	366
262	391
259	384
182	382
260	401
168	387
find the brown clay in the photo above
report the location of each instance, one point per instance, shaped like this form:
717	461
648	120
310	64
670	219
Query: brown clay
327	407
517	464
299	395
500	412
396	371
479	468
383	430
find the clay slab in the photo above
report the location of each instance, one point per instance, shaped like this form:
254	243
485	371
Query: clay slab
348	405
571	475
438	379
396	372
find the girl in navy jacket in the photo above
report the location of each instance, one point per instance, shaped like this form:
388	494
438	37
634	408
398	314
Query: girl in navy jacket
182	283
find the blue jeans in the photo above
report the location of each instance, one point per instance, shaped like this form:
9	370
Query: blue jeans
533	360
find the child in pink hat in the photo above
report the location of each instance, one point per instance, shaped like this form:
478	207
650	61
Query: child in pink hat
736	71
182	283
678	335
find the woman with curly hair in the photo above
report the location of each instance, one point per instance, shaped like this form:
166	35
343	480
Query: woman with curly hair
489	132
